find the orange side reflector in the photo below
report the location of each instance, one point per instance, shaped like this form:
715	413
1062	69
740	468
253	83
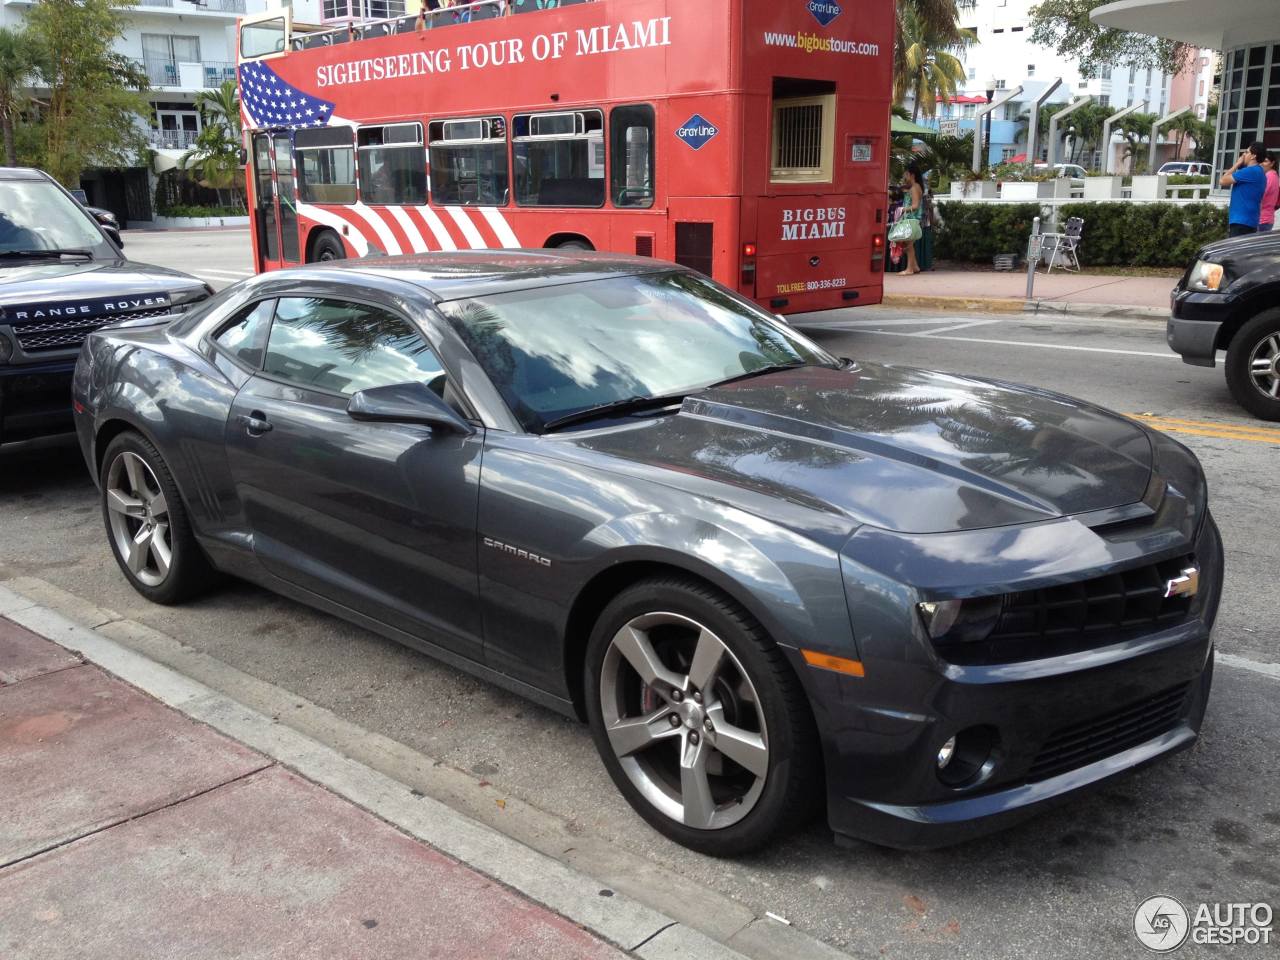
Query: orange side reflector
826	661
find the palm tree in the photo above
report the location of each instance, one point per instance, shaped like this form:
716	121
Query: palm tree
1136	132
17	61
929	68
215	155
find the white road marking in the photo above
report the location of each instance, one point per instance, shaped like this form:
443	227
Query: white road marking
1028	343
958	326
1271	670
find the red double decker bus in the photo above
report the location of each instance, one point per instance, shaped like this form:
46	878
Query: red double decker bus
746	139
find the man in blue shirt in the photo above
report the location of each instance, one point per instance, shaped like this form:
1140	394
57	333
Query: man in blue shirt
1247	181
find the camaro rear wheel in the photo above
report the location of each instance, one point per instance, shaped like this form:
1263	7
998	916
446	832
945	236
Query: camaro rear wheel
1253	365
147	524
699	718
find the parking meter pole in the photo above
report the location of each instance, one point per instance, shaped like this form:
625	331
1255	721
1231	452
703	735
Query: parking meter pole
1033	257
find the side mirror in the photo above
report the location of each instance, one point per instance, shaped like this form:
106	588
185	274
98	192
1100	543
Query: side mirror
244	156
114	235
407	403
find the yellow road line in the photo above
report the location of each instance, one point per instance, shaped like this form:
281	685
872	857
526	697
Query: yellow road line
1204	428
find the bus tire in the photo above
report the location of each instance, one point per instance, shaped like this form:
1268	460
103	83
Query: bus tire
325	247
569	243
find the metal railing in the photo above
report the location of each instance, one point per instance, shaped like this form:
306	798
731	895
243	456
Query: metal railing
172	139
221	6
164	72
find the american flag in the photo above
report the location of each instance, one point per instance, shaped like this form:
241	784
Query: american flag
272	101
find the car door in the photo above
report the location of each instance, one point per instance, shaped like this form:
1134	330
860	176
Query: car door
379	517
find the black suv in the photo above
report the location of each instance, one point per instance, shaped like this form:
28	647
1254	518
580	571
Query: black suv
61	276
1229	299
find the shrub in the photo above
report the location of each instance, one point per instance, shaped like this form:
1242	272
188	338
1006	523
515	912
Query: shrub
978	231
201	211
1115	233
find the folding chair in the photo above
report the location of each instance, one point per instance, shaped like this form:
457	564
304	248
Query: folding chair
1065	246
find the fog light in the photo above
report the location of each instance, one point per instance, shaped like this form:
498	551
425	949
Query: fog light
969	757
945	754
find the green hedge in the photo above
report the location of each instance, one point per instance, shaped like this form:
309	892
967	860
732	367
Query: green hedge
1115	233
1145	234
978	231
201	211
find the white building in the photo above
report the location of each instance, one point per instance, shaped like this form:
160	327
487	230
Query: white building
1004	58
184	47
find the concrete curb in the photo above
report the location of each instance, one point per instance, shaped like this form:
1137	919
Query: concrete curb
1062	308
611	914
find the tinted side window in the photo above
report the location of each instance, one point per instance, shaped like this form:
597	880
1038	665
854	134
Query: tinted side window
326	165
559	159
393	164
246	334
631	143
345	347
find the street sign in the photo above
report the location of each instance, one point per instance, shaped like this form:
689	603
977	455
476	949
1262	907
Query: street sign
949	127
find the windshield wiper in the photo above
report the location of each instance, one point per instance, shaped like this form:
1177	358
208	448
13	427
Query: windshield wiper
614	408
760	371
45	254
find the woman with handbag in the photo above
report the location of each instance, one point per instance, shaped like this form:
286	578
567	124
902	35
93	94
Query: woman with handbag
907	230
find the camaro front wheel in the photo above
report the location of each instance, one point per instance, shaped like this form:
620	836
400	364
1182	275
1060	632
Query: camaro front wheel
699	719
147	524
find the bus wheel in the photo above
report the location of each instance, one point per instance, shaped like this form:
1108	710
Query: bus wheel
327	246
569	243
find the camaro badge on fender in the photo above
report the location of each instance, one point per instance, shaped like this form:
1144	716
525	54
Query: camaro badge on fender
516	551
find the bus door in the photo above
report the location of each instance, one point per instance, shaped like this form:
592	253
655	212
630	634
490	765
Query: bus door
276	197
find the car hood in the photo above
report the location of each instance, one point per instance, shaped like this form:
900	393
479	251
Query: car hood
1256	246
897	448
74	280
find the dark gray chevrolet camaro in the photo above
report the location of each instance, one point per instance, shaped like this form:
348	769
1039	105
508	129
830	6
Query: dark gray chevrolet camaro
765	575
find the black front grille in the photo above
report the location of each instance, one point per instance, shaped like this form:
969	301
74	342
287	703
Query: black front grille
69	333
1096	739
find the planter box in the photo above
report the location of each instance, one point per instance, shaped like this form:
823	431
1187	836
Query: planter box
1149	188
178	223
1103	188
1027	190
973	190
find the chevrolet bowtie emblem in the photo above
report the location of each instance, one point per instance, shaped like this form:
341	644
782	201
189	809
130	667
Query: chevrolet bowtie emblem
1185	584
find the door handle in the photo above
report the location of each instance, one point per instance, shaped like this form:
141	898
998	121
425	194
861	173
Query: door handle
255	423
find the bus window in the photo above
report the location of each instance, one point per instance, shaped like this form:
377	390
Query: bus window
469	161
631	147
393	167
559	159
262	39
804	122
326	163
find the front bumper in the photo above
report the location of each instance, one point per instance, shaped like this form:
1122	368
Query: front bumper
35	400
1061	726
1195	322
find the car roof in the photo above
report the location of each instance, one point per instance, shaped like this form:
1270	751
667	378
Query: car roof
22	173
475	273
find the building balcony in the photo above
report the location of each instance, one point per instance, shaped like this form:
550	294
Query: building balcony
168	74
181	140
228	9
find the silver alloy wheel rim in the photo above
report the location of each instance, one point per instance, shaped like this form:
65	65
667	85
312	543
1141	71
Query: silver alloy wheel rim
139	517
673	731
1264	366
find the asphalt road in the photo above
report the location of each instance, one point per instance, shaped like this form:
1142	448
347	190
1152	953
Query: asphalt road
1203	826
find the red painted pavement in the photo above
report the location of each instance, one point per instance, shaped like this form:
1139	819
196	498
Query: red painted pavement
269	866
80	750
24	655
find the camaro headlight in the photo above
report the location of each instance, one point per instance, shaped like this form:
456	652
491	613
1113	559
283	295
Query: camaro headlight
190	295
1207	277
961	621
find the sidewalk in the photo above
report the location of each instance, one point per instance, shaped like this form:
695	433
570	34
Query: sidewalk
1063	292
132	831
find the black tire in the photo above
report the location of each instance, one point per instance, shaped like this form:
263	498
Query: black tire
574	245
188	572
326	247
1254	337
792	785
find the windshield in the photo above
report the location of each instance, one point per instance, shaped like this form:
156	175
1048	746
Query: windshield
36	215
554	351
